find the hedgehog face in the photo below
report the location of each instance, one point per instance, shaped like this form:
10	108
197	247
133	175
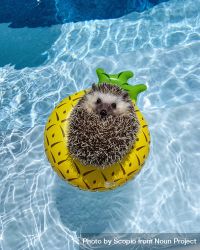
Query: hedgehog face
106	104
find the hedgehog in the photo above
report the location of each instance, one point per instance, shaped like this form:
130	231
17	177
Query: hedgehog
102	126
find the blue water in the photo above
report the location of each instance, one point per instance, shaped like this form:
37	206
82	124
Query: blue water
42	13
162	46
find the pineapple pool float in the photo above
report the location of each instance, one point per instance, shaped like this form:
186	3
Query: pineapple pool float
90	177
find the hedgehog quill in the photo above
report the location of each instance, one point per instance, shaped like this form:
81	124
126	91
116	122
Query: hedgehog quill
102	126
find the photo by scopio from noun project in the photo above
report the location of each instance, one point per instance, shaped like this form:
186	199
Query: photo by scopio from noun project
97	139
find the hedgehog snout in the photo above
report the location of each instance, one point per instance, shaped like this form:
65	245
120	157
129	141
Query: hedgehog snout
104	110
103	113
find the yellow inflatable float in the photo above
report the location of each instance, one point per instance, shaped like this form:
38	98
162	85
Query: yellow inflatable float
89	177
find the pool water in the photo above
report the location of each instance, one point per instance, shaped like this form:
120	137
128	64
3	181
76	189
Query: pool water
162	46
43	13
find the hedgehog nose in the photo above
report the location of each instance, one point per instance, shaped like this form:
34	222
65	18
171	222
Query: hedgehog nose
103	113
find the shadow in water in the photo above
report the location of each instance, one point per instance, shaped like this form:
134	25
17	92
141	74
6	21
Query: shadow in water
93	212
26	47
41	13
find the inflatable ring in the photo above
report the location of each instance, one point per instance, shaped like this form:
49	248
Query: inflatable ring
89	177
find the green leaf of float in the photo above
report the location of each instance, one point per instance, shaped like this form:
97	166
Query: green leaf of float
121	79
135	90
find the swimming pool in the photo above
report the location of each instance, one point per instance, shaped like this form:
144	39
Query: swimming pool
162	46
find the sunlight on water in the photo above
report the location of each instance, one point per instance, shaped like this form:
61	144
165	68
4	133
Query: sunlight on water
162	47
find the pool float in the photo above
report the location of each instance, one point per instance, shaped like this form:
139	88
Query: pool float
90	177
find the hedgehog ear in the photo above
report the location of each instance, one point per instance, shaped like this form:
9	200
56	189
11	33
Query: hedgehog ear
94	87
125	95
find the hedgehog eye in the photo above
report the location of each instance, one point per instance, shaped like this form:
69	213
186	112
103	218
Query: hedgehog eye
113	105
98	100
